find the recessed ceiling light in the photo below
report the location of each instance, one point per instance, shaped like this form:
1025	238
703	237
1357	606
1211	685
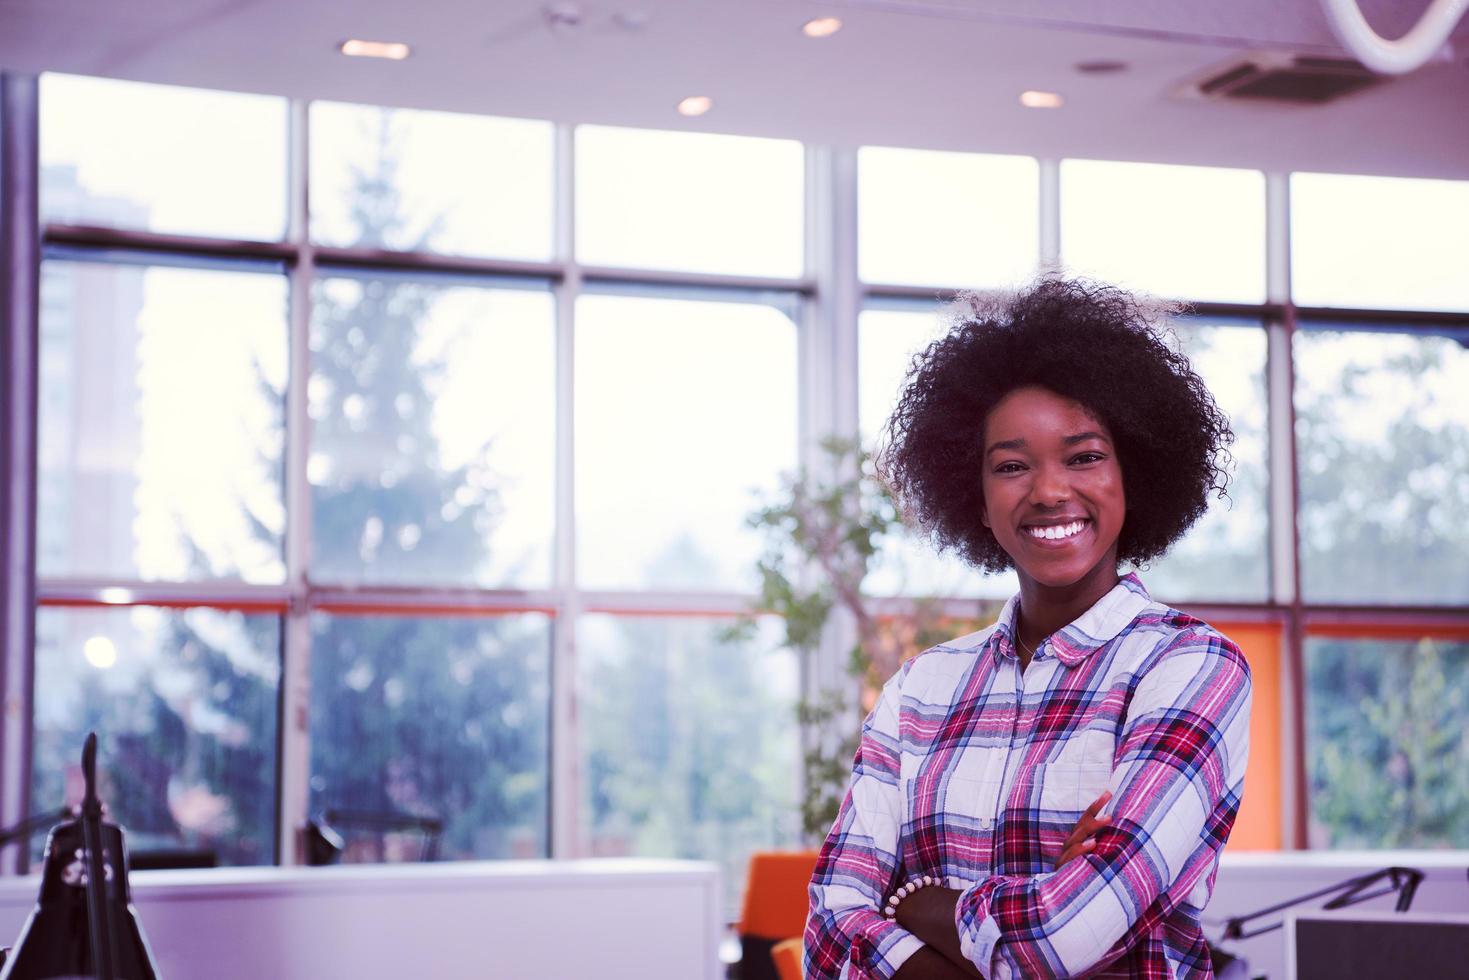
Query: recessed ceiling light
1041	100
392	50
695	105
821	27
1101	66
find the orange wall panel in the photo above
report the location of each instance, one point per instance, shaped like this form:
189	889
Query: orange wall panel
1259	824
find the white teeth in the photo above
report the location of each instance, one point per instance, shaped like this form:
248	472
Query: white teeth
1056	532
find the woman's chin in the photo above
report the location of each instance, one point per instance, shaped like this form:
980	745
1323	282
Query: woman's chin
1066	575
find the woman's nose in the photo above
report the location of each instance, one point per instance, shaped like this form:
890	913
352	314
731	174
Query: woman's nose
1051	487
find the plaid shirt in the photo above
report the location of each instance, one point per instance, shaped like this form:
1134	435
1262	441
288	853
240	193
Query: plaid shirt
969	772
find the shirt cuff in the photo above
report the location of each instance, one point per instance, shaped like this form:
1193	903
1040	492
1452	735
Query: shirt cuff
888	954
978	943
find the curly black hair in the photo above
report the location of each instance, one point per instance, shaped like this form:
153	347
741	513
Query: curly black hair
1086	341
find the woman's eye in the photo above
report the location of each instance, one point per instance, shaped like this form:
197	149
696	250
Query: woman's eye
1009	468
1087	458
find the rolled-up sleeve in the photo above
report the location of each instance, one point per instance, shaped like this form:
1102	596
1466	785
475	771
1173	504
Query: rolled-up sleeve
1176	786
846	933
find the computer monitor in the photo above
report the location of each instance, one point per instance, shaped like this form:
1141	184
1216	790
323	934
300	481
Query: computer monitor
1376	945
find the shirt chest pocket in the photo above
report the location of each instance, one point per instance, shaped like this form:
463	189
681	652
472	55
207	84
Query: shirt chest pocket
1068	789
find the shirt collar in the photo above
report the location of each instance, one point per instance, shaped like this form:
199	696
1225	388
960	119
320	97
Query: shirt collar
1090	631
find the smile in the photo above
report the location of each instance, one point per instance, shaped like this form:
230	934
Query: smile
1057	532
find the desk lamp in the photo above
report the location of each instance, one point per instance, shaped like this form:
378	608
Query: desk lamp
83	924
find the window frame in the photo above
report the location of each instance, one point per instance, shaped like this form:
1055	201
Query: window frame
829	297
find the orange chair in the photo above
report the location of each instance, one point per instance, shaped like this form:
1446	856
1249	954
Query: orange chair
775	907
787	957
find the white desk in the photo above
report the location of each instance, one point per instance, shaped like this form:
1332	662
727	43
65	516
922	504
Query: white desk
510	920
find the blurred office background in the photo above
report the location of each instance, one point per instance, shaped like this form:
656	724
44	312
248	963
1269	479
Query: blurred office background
397	422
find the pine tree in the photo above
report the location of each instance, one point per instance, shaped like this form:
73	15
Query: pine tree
418	715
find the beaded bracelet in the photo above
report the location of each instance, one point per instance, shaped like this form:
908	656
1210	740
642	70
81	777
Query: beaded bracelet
903	892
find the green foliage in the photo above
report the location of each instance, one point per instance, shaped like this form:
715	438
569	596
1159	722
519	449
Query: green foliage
822	533
1389	753
688	749
1383	475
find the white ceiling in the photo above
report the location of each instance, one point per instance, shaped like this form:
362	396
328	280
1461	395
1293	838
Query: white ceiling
932	73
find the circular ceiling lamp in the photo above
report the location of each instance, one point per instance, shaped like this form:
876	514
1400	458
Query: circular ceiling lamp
1409	52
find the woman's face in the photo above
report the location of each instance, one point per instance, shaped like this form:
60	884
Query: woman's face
1052	489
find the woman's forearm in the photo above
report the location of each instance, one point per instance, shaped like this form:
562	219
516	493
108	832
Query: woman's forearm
929	964
928	914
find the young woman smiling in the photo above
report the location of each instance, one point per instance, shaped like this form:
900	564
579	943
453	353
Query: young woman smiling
1049	796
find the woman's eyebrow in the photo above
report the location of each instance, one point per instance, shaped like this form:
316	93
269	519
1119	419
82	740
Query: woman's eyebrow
1005	444
1083	437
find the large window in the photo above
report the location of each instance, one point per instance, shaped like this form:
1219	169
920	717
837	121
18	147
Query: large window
1194	233
161	421
686	746
685	410
692	202
438	717
466	447
946	219
1223	557
1388	749
1379	243
433	413
430	181
156	158
1383	433
185	701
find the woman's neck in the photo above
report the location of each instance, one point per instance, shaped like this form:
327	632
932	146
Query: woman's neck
1045	609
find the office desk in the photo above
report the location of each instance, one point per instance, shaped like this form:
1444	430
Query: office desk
510	920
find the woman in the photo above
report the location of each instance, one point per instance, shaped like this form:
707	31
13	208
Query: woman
1048	796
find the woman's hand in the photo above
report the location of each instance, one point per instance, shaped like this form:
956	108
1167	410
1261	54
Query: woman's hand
1082	840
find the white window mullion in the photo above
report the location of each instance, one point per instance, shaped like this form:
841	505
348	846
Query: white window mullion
1049	216
828	361
19	291
1284	544
294	773
565	814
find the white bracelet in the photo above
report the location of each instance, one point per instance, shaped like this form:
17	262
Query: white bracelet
903	892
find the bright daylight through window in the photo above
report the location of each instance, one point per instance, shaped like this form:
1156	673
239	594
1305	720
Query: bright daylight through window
491	478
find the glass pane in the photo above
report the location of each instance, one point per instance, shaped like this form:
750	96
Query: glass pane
1226	555
693	202
887	341
153	157
965	220
184	706
431	181
161	425
1379	242
433	432
440	718
1387	752
1195	233
1382	437
685	410
690	747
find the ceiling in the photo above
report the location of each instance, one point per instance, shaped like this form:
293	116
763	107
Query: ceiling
930	73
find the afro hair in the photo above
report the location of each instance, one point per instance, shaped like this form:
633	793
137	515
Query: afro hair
1089	342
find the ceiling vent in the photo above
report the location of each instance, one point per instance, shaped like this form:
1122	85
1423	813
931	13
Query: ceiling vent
1292	79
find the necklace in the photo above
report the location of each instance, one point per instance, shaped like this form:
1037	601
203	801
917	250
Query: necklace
1026	654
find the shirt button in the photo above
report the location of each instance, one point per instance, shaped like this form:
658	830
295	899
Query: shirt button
985	823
